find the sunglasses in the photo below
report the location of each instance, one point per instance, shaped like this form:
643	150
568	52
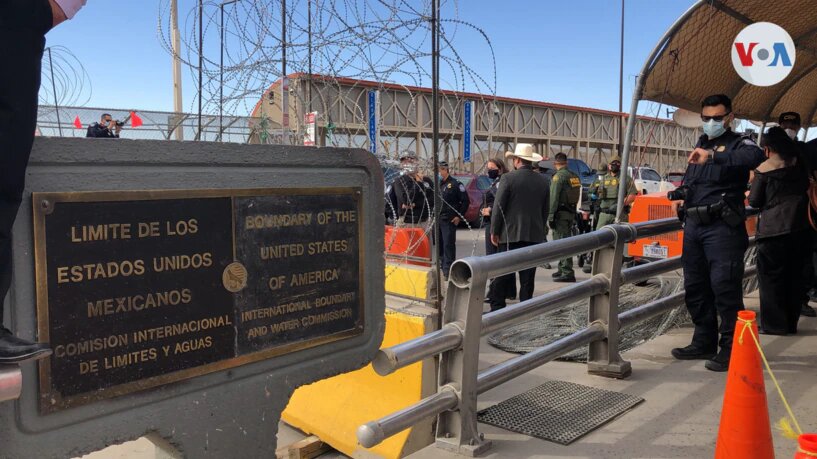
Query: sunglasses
716	118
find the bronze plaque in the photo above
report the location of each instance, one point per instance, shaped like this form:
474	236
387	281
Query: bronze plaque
136	289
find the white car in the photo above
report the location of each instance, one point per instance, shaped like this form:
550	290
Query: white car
648	180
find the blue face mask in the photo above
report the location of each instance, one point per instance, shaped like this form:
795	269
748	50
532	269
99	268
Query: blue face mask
714	129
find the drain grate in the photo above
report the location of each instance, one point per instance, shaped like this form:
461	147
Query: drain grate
558	411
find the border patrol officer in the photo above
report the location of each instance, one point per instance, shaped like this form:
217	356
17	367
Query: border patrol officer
715	238
454	202
605	191
565	188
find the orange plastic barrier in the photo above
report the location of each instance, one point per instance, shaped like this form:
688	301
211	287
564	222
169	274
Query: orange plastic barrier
744	430
807	446
656	206
411	242
648	207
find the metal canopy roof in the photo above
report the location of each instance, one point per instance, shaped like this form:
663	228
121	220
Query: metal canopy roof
693	59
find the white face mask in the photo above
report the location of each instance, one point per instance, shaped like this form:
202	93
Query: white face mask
714	129
792	133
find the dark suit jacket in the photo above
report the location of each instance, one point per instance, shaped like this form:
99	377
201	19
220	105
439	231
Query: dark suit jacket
520	209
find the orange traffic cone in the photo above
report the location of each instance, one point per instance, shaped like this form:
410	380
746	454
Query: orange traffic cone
744	430
807	446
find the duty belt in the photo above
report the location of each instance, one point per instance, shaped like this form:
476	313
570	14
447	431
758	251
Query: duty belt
711	213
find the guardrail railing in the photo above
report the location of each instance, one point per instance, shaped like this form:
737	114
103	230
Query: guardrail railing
457	341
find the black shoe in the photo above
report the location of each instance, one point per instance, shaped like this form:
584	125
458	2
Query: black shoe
763	331
812	295
692	352
807	311
547	266
565	278
16	350
555	274
587	269
718	363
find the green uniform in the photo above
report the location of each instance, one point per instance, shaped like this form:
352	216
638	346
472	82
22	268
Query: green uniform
565	188
607	191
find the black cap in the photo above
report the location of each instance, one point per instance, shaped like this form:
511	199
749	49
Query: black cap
443	164
793	117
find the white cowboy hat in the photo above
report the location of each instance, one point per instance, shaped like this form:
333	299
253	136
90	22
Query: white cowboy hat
525	151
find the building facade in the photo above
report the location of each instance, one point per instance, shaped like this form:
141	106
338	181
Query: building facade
403	122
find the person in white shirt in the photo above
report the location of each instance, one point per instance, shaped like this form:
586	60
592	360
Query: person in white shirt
23	25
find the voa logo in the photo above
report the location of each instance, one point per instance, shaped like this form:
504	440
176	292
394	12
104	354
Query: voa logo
763	54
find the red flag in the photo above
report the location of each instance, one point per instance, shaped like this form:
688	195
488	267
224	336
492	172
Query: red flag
77	123
135	121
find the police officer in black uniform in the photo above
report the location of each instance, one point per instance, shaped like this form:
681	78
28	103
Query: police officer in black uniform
454	203
715	238
413	192
106	128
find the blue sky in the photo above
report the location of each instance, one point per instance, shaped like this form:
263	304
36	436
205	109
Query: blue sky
550	50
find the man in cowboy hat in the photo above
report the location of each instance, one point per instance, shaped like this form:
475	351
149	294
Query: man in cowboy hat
518	218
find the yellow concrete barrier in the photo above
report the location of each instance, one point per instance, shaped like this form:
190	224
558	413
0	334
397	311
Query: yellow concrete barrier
333	408
409	280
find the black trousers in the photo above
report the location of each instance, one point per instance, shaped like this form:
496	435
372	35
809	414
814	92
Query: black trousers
447	245
491	249
496	294
809	268
23	24
713	279
780	272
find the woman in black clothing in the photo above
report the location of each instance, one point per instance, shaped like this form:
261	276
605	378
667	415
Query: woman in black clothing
779	191
494	169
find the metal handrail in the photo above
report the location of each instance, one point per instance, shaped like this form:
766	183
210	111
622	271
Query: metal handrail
449	337
457	393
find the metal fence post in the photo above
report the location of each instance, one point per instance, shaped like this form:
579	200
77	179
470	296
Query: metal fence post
603	358
457	429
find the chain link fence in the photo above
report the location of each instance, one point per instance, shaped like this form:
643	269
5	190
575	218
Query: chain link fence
156	125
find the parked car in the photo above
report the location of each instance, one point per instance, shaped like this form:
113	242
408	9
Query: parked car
676	178
648	180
